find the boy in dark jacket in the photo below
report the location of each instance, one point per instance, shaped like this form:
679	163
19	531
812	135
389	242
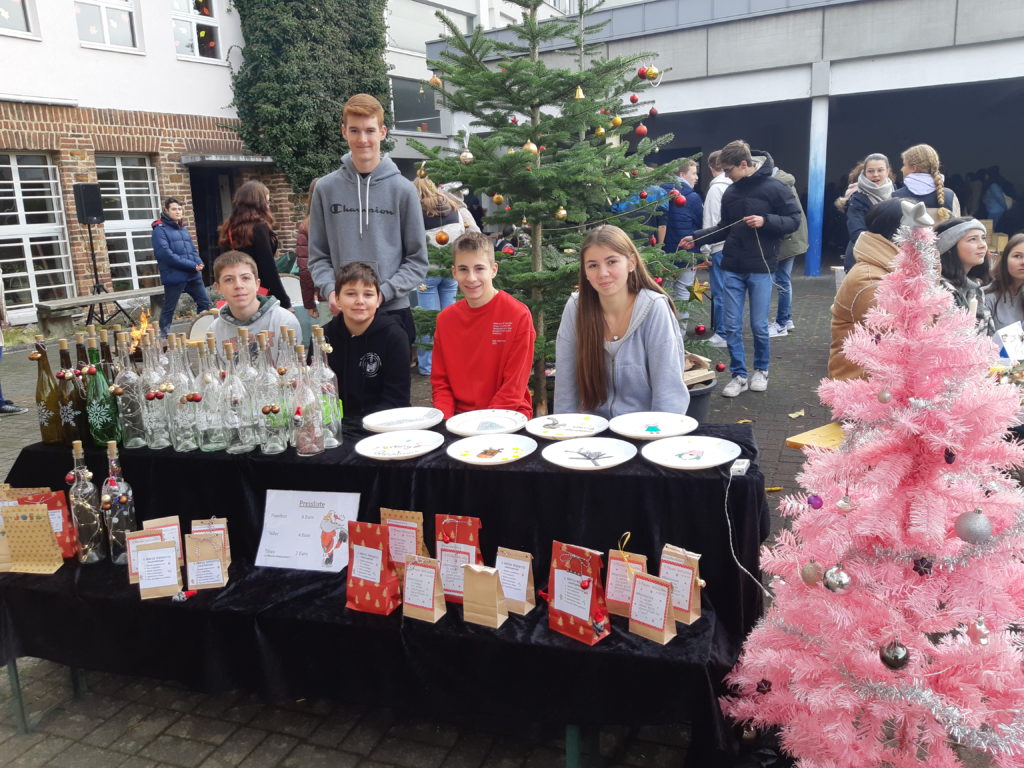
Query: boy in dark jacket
180	265
370	352
757	211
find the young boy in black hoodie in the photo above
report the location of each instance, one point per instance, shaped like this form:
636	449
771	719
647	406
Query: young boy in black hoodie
370	352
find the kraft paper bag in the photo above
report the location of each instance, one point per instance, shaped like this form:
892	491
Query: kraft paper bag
650	609
215	525
405	535
372	584
159	572
515	571
682	568
170	529
204	560
132	541
9	497
483	601
458	542
575	595
32	545
422	594
618	585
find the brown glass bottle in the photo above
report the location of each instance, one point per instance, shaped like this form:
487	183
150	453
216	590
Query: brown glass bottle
47	396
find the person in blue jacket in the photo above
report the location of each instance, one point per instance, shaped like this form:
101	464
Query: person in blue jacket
682	214
180	264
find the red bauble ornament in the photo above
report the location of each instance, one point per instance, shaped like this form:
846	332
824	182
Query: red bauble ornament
150	395
659	280
541	148
679	200
654	240
699	330
447	538
634	99
642	73
584	583
673	192
59	374
508	250
69	478
159	395
196	397
514	120
720	367
653	112
77	372
643	195
640	130
92	370
636	173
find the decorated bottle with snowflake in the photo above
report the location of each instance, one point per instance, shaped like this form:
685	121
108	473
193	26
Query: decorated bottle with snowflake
208	401
177	386
128	389
323	378
85	510
100	403
154	412
237	407
307	415
71	393
118	505
47	396
272	398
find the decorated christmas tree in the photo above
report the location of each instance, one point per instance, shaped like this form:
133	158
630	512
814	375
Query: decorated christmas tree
555	148
893	636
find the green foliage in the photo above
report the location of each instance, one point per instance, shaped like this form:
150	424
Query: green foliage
302	62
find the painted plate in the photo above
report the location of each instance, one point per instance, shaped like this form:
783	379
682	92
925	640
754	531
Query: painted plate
589	453
490	421
652	425
395	419
403	444
566	426
691	452
491	450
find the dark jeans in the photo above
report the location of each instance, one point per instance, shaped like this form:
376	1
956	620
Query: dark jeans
172	293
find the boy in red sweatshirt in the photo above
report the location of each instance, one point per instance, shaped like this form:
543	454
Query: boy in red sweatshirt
483	345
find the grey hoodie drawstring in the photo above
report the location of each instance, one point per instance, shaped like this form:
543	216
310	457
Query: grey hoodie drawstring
359	198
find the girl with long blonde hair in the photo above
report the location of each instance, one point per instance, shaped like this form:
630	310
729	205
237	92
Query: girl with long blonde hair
923	181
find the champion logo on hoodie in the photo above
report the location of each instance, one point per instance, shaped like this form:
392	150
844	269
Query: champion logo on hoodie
342	208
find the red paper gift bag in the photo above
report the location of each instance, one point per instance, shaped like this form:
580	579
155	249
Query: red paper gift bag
60	519
576	605
458	542
372	584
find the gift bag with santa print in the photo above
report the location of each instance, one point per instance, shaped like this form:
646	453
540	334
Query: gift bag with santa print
576	605
458	543
372	584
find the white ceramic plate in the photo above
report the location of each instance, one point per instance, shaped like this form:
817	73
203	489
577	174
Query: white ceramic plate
395	419
589	453
403	444
691	452
489	421
490	450
566	426
652	425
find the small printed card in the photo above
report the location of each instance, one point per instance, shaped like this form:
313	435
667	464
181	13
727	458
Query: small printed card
650	612
576	596
170	530
515	570
159	573
204	560
618	586
372	583
458	542
422	596
60	519
295	521
31	542
483	602
214	525
681	568
405	535
132	541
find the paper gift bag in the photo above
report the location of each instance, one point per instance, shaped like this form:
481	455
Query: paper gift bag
372	584
576	605
405	535
650	609
32	545
422	595
483	601
618	585
170	529
132	541
215	525
204	560
682	569
64	529
515	571
9	497
159	572
458	542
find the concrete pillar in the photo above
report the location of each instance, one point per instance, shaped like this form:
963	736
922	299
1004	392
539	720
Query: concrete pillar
816	166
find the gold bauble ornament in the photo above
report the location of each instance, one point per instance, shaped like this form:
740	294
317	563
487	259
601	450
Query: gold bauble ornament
652	73
441	238
435	81
510	152
421	173
561	213
498	199
530	147
466	157
599	131
579	93
616	121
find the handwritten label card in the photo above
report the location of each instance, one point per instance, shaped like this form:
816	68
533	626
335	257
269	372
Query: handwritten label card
515	570
651	608
159	574
133	540
366	563
170	530
424	597
681	568
570	596
204	558
619	585
452	557
307	530
214	525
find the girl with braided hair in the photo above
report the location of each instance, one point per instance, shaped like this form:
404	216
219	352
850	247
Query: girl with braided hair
922	181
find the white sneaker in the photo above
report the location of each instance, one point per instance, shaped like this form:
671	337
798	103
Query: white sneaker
734	387
759	381
718	341
790	326
775	330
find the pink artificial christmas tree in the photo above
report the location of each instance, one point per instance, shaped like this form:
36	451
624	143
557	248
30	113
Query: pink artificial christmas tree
892	637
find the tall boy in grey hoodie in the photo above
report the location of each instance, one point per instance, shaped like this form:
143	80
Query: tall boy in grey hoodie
367	211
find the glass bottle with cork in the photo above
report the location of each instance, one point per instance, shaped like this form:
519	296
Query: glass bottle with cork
73	421
85	510
47	396
100	403
118	504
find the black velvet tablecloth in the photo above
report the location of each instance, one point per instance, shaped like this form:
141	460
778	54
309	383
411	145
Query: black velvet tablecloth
287	633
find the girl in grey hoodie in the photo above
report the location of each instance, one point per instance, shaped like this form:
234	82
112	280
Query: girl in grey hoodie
619	347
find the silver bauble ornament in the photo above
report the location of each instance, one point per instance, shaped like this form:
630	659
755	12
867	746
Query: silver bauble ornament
836	579
811	573
884	396
845	504
466	157
894	655
973	527
978	632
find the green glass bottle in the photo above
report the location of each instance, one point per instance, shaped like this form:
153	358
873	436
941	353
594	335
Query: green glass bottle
72	397
100	401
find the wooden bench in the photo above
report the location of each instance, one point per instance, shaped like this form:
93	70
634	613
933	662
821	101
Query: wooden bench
56	317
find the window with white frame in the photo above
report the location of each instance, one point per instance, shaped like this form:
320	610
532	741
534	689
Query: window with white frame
130	204
413	106
35	263
196	33
14	16
106	22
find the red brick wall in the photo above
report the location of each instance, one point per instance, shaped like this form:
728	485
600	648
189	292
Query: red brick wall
73	135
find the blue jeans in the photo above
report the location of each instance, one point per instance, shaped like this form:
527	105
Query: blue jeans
784	312
717	294
737	286
440	293
172	293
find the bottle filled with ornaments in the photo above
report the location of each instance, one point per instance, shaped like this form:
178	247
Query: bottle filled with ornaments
272	397
118	505
323	377
85	510
128	389
154	411
307	415
101	405
71	393
47	396
237	407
